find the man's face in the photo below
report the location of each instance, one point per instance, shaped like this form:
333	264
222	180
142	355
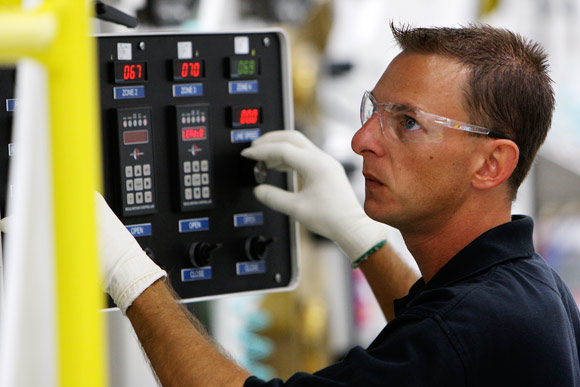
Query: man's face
417	185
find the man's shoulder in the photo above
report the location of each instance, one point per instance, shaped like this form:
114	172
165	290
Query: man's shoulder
505	287
514	316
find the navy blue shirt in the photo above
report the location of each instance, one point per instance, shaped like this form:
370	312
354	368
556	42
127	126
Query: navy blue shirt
495	315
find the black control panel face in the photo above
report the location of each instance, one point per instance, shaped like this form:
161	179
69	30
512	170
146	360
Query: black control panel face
176	111
136	161
194	156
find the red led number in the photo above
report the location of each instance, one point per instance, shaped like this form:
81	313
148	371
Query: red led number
249	116
132	72
192	133
190	69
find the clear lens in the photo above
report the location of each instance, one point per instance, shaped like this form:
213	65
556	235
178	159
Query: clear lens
410	126
367	108
401	122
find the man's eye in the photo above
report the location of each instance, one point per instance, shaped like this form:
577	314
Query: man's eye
411	124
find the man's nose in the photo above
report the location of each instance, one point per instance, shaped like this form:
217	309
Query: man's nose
368	137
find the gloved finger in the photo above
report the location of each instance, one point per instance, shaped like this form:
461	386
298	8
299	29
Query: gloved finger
4	224
281	156
276	198
290	136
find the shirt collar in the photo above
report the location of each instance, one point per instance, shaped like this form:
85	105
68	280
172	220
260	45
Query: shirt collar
502	243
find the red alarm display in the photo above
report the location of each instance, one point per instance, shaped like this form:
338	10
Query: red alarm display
130	72
247	115
188	69
193	133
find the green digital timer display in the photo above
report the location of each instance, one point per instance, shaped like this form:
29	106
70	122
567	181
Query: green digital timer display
244	67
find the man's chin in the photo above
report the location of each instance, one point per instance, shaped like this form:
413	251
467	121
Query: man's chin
377	213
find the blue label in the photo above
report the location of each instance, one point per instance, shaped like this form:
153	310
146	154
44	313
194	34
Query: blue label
128	92
244	135
188	90
243	87
200	273
191	225
11	149
139	230
249	219
11	105
250	267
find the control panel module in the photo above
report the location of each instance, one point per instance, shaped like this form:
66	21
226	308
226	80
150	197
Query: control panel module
176	110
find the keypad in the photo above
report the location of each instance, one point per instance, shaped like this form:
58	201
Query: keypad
138	184
196	180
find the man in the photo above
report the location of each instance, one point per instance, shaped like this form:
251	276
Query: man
487	311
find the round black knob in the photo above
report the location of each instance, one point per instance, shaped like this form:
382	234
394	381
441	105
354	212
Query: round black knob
200	253
257	247
260	172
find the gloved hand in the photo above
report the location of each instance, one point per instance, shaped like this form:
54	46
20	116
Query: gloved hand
326	204
127	270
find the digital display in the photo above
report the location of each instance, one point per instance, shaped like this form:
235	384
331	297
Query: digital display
244	67
188	69
130	71
136	137
193	133
242	116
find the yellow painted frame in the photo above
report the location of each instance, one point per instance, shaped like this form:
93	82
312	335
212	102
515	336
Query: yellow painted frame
57	34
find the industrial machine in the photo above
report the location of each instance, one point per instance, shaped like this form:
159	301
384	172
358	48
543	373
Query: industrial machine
176	110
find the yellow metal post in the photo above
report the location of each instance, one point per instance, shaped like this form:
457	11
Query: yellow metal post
58	36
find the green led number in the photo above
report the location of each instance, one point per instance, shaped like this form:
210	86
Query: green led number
246	67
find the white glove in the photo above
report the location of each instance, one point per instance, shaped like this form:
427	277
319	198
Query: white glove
127	270
326	204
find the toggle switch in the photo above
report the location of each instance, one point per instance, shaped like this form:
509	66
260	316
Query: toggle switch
257	247
201	253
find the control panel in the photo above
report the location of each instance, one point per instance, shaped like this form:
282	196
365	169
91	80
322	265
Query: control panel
136	161
176	111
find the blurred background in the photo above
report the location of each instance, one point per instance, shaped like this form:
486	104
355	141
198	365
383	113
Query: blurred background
339	49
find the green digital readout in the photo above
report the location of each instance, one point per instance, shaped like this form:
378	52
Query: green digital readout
244	67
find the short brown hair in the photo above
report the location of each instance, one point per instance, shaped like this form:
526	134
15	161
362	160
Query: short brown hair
508	89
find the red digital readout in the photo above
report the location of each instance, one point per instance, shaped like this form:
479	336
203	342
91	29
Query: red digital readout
190	69
249	116
246	116
187	69
196	133
130	71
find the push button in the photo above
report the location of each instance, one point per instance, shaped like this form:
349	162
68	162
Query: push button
146	169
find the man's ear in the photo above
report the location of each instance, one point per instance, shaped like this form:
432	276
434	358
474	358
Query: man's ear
499	160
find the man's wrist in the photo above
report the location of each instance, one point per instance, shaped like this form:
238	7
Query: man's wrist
131	277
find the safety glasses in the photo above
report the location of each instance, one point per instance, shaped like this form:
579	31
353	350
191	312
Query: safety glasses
411	125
